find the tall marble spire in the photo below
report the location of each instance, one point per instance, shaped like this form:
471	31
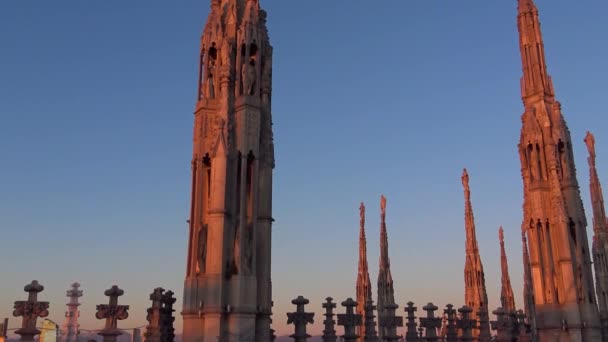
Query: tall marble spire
507	299
554	218
364	286
600	236
228	287
386	294
476	296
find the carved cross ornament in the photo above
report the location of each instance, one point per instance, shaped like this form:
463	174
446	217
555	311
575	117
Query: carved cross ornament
112	312
30	310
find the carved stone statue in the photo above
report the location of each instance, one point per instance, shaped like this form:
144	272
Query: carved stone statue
225	53
211	64
590	142
201	254
248	77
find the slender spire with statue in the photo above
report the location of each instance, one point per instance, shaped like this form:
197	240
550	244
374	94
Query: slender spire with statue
364	286
600	236
386	293
475	294
507	300
554	219
227	291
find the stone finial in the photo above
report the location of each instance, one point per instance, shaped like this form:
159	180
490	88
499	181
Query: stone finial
329	333
390	321
153	333
112	313
506	324
465	180
300	319
30	310
167	332
466	323
74	291
590	142
370	325
411	335
382	205
452	329
484	325
362	214
349	320
430	323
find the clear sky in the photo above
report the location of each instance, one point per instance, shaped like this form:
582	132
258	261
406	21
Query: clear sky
392	97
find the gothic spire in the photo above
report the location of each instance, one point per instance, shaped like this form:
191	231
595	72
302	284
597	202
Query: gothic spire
600	236
476	296
364	286
386	295
506	293
600	225
384	260
535	80
469	220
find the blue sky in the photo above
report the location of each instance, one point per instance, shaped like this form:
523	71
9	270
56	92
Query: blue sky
393	98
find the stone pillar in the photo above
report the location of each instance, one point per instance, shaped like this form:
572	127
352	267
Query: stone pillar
70	326
430	323
523	333
30	310
452	329
299	319
329	333
349	321
466	324
411	335
506	325
167	332
484	325
152	333
370	324
390	322
112	312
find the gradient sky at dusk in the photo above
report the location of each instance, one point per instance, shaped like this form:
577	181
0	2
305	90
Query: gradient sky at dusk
385	97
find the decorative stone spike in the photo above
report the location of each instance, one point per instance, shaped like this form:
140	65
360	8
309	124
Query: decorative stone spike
349	320
153	333
484	325
430	323
329	333
112	312
30	310
299	319
166	317
411	335
390	322
466	323
370	324
69	331
452	329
